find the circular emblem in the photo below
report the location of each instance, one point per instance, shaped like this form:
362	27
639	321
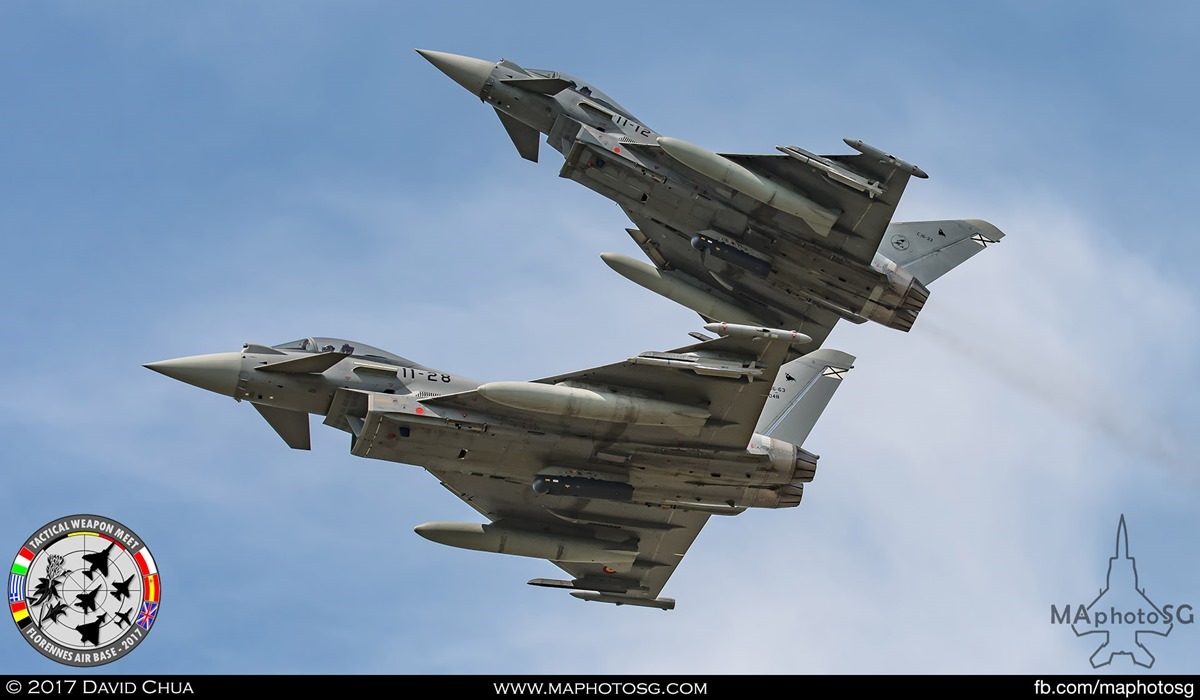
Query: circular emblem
84	590
899	241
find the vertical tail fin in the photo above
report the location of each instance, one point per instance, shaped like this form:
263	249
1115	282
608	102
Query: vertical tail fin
802	389
930	249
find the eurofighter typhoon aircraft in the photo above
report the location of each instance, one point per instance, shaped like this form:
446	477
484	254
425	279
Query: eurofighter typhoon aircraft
788	240
609	473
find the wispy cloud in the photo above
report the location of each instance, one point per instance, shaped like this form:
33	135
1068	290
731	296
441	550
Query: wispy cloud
294	174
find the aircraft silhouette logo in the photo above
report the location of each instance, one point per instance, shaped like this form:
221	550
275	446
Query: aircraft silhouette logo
73	587
1122	612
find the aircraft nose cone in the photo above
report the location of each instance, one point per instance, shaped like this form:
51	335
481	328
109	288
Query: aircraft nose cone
217	372
471	73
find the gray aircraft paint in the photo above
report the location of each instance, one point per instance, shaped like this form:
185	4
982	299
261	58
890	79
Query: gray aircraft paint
795	240
608	472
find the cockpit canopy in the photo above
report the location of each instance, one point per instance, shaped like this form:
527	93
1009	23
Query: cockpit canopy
349	347
587	90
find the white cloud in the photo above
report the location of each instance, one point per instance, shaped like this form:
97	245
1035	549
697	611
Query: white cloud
972	470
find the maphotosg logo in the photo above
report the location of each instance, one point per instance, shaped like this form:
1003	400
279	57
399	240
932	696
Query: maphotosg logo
1122	612
84	590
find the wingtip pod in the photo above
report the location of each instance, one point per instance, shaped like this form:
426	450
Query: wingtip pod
868	150
741	330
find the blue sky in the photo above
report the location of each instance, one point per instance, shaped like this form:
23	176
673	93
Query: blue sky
180	179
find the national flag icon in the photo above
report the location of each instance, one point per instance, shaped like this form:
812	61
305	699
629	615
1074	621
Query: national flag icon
16	588
21	564
151	588
21	615
145	562
146	617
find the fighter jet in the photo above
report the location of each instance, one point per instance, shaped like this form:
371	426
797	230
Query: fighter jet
98	562
122	618
86	601
121	588
609	472
788	240
90	632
